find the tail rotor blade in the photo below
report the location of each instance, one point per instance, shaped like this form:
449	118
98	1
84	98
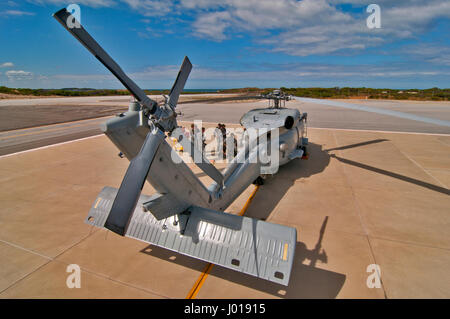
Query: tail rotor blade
375	110
131	186
178	86
63	17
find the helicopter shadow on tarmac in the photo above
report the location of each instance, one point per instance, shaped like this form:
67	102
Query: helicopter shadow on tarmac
306	280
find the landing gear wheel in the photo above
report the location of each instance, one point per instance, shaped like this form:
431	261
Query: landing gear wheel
259	181
305	152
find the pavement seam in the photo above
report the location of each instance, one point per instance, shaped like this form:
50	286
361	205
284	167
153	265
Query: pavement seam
93	273
409	243
50	259
312	227
91	232
446	144
420	166
25	276
335	230
25	249
361	219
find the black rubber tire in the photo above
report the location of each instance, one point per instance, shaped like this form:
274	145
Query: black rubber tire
258	181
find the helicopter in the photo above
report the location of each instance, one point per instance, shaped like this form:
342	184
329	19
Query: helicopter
184	215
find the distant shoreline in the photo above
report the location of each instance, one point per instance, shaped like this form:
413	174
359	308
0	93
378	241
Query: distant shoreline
433	94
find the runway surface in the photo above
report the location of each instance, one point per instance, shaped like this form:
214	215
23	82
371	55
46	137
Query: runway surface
32	112
31	138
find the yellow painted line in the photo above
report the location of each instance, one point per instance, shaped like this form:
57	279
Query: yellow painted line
285	251
98	201
199	283
201	279
249	200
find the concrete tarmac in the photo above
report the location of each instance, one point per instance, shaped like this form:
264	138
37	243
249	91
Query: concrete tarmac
362	198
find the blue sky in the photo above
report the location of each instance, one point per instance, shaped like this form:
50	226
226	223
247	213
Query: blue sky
231	43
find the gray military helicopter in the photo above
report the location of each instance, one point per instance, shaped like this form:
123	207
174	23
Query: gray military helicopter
184	215
290	123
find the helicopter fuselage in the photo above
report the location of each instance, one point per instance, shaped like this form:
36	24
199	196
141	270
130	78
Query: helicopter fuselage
291	126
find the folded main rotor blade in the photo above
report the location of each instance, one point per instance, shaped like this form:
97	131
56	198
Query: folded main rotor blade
131	187
375	110
63	17
178	86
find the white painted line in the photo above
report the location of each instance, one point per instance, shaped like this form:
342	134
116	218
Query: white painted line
318	128
365	108
51	145
338	129
62	125
376	131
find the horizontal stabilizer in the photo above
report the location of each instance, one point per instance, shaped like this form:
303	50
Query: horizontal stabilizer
248	245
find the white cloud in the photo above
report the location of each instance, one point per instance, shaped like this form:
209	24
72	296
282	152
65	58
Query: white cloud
294	27
212	25
256	16
7	65
90	3
282	72
314	26
151	8
263	75
428	52
16	13
14	75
